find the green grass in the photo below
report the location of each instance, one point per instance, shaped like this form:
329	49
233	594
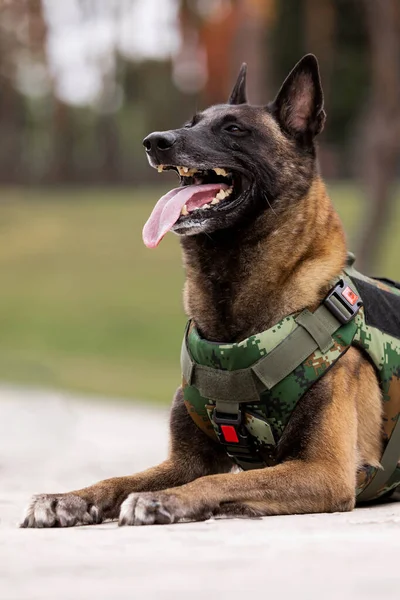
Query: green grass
85	306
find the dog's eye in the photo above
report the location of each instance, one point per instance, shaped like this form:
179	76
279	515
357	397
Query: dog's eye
233	128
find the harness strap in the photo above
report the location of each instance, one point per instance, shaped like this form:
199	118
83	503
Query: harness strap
315	331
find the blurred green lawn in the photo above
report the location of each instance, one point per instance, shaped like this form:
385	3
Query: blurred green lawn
85	306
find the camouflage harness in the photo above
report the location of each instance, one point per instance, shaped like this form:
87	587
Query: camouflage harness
244	394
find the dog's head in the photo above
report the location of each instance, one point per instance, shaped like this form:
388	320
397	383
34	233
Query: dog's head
236	160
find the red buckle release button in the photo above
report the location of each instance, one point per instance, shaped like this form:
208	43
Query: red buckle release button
229	433
350	296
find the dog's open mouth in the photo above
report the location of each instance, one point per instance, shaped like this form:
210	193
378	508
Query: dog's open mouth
201	194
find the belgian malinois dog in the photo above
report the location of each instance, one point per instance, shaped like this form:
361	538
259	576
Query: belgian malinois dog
260	241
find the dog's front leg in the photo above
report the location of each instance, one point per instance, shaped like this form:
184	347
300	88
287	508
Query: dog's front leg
192	455
289	488
318	473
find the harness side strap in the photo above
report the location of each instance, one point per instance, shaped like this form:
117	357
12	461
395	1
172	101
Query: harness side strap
298	346
389	462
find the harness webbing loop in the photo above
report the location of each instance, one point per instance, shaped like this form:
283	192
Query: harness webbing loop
318	327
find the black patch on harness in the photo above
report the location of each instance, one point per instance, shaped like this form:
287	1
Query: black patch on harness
382	309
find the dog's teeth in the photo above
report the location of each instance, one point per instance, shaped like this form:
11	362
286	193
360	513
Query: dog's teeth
186	171
160	168
222	194
220	171
184	210
205	206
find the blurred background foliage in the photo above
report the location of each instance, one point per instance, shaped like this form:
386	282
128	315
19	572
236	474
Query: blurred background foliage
83	305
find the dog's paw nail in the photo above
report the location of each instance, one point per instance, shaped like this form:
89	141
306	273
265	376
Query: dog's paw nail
146	509
59	510
95	514
127	510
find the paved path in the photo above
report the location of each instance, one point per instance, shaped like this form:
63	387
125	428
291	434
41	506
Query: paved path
51	442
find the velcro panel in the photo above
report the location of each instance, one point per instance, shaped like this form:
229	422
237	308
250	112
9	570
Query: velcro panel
225	386
381	308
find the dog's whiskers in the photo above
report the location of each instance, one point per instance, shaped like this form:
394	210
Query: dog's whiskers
269	203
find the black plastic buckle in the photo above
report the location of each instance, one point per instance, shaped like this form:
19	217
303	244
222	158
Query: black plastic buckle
343	302
227	419
230	432
241	450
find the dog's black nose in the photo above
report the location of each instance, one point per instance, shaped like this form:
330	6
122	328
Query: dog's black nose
159	140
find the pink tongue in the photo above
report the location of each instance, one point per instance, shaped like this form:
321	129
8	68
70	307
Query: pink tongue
168	209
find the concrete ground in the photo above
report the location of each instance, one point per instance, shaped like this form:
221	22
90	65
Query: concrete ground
50	442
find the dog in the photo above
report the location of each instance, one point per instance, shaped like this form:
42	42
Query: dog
261	241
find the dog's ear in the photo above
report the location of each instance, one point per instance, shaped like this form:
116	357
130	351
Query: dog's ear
238	94
299	105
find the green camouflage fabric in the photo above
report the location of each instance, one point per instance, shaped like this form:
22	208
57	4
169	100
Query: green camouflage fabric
266	420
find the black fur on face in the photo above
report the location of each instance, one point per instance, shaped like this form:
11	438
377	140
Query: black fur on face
268	151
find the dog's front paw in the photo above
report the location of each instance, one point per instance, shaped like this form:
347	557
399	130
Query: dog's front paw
60	510
150	508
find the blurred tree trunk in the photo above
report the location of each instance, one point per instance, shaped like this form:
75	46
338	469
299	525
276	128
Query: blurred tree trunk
12	119
231	34
320	22
11	101
62	163
319	35
256	18
108	139
380	142
219	48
